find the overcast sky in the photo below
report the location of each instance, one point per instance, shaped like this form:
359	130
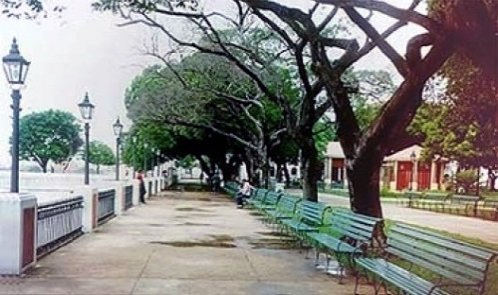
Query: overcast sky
81	51
85	51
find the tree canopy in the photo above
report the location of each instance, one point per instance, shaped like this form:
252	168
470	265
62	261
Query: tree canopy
49	135
100	154
317	56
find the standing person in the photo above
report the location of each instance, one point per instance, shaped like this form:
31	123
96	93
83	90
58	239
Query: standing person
215	182
243	193
141	188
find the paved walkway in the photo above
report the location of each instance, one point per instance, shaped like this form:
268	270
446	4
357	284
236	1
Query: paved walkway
180	243
466	226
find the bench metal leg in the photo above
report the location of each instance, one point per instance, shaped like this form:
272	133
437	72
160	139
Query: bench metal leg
317	257
356	282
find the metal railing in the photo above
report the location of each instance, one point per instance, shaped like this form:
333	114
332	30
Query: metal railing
105	206
150	188
58	222
128	197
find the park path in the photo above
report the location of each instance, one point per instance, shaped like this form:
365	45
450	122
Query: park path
179	243
466	226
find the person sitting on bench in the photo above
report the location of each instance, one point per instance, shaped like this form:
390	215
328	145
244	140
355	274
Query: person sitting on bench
243	193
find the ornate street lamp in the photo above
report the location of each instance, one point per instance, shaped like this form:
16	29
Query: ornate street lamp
158	160
118	130
16	70
146	145
86	110
153	152
413	158
134	151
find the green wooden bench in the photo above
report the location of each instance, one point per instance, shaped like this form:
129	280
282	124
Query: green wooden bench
431	201
466	204
349	234
269	202
231	188
309	217
488	209
453	263
285	209
257	197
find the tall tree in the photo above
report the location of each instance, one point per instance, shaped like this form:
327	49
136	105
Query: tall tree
49	135
321	60
100	154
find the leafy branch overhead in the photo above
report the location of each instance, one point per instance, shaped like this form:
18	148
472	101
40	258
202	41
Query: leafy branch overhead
317	59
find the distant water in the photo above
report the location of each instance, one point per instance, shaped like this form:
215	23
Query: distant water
51	187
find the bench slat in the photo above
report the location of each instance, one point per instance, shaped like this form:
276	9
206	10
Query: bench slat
442	271
453	256
438	260
443	241
399	276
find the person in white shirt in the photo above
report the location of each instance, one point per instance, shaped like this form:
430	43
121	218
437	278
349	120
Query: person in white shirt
243	193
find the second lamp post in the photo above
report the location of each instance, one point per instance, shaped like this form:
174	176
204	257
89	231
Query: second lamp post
86	109
118	130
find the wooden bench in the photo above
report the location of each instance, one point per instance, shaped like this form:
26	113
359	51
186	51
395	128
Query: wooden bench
269	202
488	209
257	197
309	217
231	188
429	201
465	203
285	209
348	234
451	262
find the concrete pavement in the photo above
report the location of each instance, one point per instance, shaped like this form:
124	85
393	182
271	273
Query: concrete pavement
179	243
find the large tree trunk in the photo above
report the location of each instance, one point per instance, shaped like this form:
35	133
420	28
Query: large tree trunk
249	168
287	175
492	180
266	171
310	169
363	184
279	172
205	167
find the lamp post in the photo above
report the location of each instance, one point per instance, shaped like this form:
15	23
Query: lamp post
153	152
158	154
16	70
134	141
118	130
413	158
146	145
86	110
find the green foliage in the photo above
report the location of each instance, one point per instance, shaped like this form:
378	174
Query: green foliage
29	9
187	162
462	125
370	90
466	179
48	135
100	154
324	132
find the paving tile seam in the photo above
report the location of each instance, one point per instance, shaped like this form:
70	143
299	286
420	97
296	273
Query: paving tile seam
154	249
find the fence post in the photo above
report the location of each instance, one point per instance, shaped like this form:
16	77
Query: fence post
136	191
90	199
119	199
17	232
